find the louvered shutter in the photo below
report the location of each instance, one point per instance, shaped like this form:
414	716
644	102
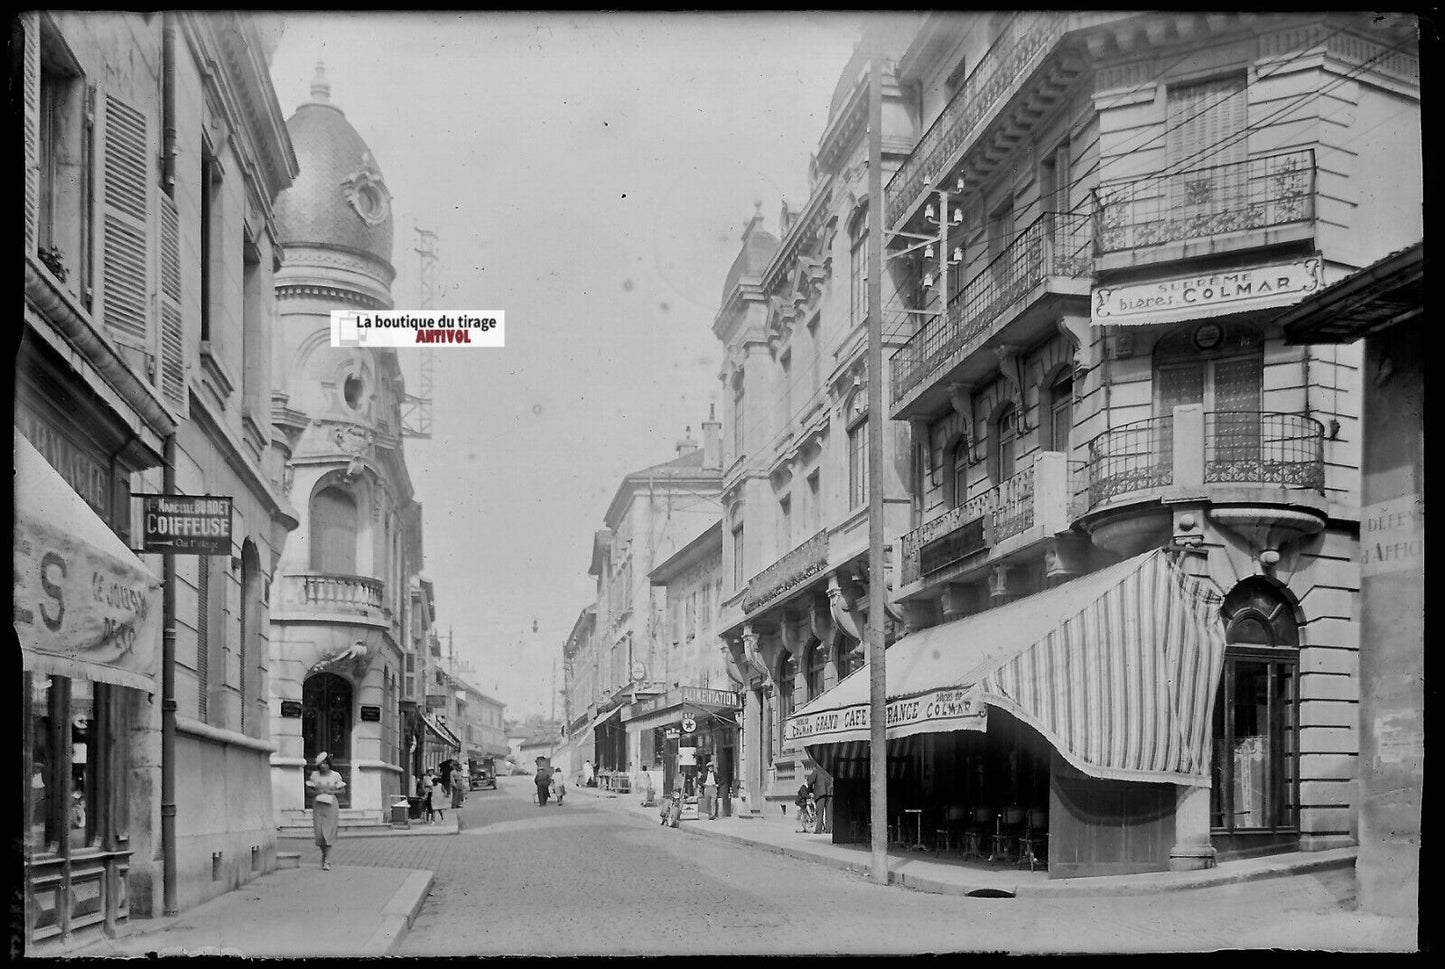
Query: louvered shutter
172	371
1205	122
30	25
123	191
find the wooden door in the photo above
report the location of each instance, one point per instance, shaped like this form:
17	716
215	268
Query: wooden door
1099	827
326	717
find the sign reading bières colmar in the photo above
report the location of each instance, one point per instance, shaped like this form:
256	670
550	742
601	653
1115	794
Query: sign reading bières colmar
186	524
1207	294
956	708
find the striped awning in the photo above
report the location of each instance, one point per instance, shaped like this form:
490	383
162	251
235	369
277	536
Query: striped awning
1117	670
443	734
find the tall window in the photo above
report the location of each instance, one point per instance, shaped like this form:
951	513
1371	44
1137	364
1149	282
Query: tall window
252	346
1221	368
847	659
785	524
738	437
858	273
858	463
209	178
1255	796
1061	412
333	532
787	684
1005	441
1203	146
815	355
785	363
817	659
64	159
958	474
739	566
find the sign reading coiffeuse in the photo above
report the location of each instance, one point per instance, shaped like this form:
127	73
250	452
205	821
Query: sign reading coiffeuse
186	524
1207	294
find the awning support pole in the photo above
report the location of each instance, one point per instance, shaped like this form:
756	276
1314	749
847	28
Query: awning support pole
877	680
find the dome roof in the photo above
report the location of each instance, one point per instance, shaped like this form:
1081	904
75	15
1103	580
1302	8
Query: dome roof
759	247
339	198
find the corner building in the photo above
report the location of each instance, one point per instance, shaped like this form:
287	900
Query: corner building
341	623
1133	559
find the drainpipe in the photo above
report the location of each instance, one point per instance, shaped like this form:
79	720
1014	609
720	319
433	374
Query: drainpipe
168	568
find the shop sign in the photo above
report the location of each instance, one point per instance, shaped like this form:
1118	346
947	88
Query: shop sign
935	712
1207	294
689	725
716	698
290	708
687	757
370	714
1392	535
81	470
186	524
672	733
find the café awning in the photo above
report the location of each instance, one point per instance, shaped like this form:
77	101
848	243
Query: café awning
1116	669
442	733
85	605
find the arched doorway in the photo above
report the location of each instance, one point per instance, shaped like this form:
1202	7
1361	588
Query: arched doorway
326	718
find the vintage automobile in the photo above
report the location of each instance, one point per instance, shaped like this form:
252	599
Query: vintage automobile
483	779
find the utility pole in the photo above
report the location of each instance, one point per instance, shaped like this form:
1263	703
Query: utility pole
877	678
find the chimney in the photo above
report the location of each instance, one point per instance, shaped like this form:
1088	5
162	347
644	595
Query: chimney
687	445
712	440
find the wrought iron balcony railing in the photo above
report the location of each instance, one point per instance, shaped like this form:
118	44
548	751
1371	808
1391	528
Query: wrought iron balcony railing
1016	50
1055	244
794	568
1201	203
989	517
1237	447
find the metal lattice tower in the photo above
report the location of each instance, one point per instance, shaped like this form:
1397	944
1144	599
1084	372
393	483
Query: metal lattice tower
416	407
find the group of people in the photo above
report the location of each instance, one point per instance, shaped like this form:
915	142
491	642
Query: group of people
550	783
704	784
440	787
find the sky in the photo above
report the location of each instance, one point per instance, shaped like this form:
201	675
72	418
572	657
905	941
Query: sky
590	176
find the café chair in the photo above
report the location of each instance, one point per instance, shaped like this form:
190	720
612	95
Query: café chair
1034	844
1006	831
946	835
974	835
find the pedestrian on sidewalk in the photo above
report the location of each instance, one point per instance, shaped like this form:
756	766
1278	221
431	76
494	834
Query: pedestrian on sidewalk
324	811
559	787
438	797
544	784
709	794
459	786
423	791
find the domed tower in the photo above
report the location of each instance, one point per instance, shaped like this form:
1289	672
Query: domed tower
342	587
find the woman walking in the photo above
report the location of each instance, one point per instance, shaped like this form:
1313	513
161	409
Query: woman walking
438	797
324	811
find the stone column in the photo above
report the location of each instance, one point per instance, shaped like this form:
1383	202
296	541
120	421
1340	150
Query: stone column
752	768
1192	850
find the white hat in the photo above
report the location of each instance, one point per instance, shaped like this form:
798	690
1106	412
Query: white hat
321	757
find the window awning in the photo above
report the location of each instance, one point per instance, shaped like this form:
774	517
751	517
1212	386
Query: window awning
85	605
604	717
442	733
1117	670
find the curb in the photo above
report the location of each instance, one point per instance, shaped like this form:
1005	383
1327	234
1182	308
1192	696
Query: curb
398	914
1125	885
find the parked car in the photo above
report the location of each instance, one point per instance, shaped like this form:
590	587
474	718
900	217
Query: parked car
483	779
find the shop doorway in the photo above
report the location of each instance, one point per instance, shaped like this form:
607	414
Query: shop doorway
326	716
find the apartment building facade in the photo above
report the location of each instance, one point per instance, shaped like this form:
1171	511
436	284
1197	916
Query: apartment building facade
1102	215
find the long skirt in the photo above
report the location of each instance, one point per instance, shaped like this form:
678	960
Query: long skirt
323	822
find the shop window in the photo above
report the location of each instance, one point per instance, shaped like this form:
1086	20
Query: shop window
1254	799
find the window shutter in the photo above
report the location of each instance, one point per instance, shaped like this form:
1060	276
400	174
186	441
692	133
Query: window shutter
1200	117
172	370
30	24
122	192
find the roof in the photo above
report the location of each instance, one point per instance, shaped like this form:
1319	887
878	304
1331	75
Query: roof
757	251
706	543
1379	296
324	204
685	467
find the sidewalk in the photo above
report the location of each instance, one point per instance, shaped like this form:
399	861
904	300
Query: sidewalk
925	872
290	912
449	825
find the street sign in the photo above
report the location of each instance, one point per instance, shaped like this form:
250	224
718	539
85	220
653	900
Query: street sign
370	714
689	725
639	670
290	708
186	524
672	733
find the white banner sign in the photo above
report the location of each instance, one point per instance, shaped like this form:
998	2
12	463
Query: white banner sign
410	328
82	612
940	711
1210	294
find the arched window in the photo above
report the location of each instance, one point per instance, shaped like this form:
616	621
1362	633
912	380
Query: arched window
1005	441
1061	411
333	531
1254	800
957	474
787	683
857	417
846	658
817	660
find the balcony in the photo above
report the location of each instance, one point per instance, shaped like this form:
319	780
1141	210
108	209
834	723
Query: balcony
1019	49
1034	503
1258	463
1220	208
1052	256
333	595
788	572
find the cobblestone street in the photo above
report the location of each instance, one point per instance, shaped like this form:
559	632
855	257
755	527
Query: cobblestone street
589	877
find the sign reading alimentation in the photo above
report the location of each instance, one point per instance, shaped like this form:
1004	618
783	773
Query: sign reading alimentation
1207	294
186	524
